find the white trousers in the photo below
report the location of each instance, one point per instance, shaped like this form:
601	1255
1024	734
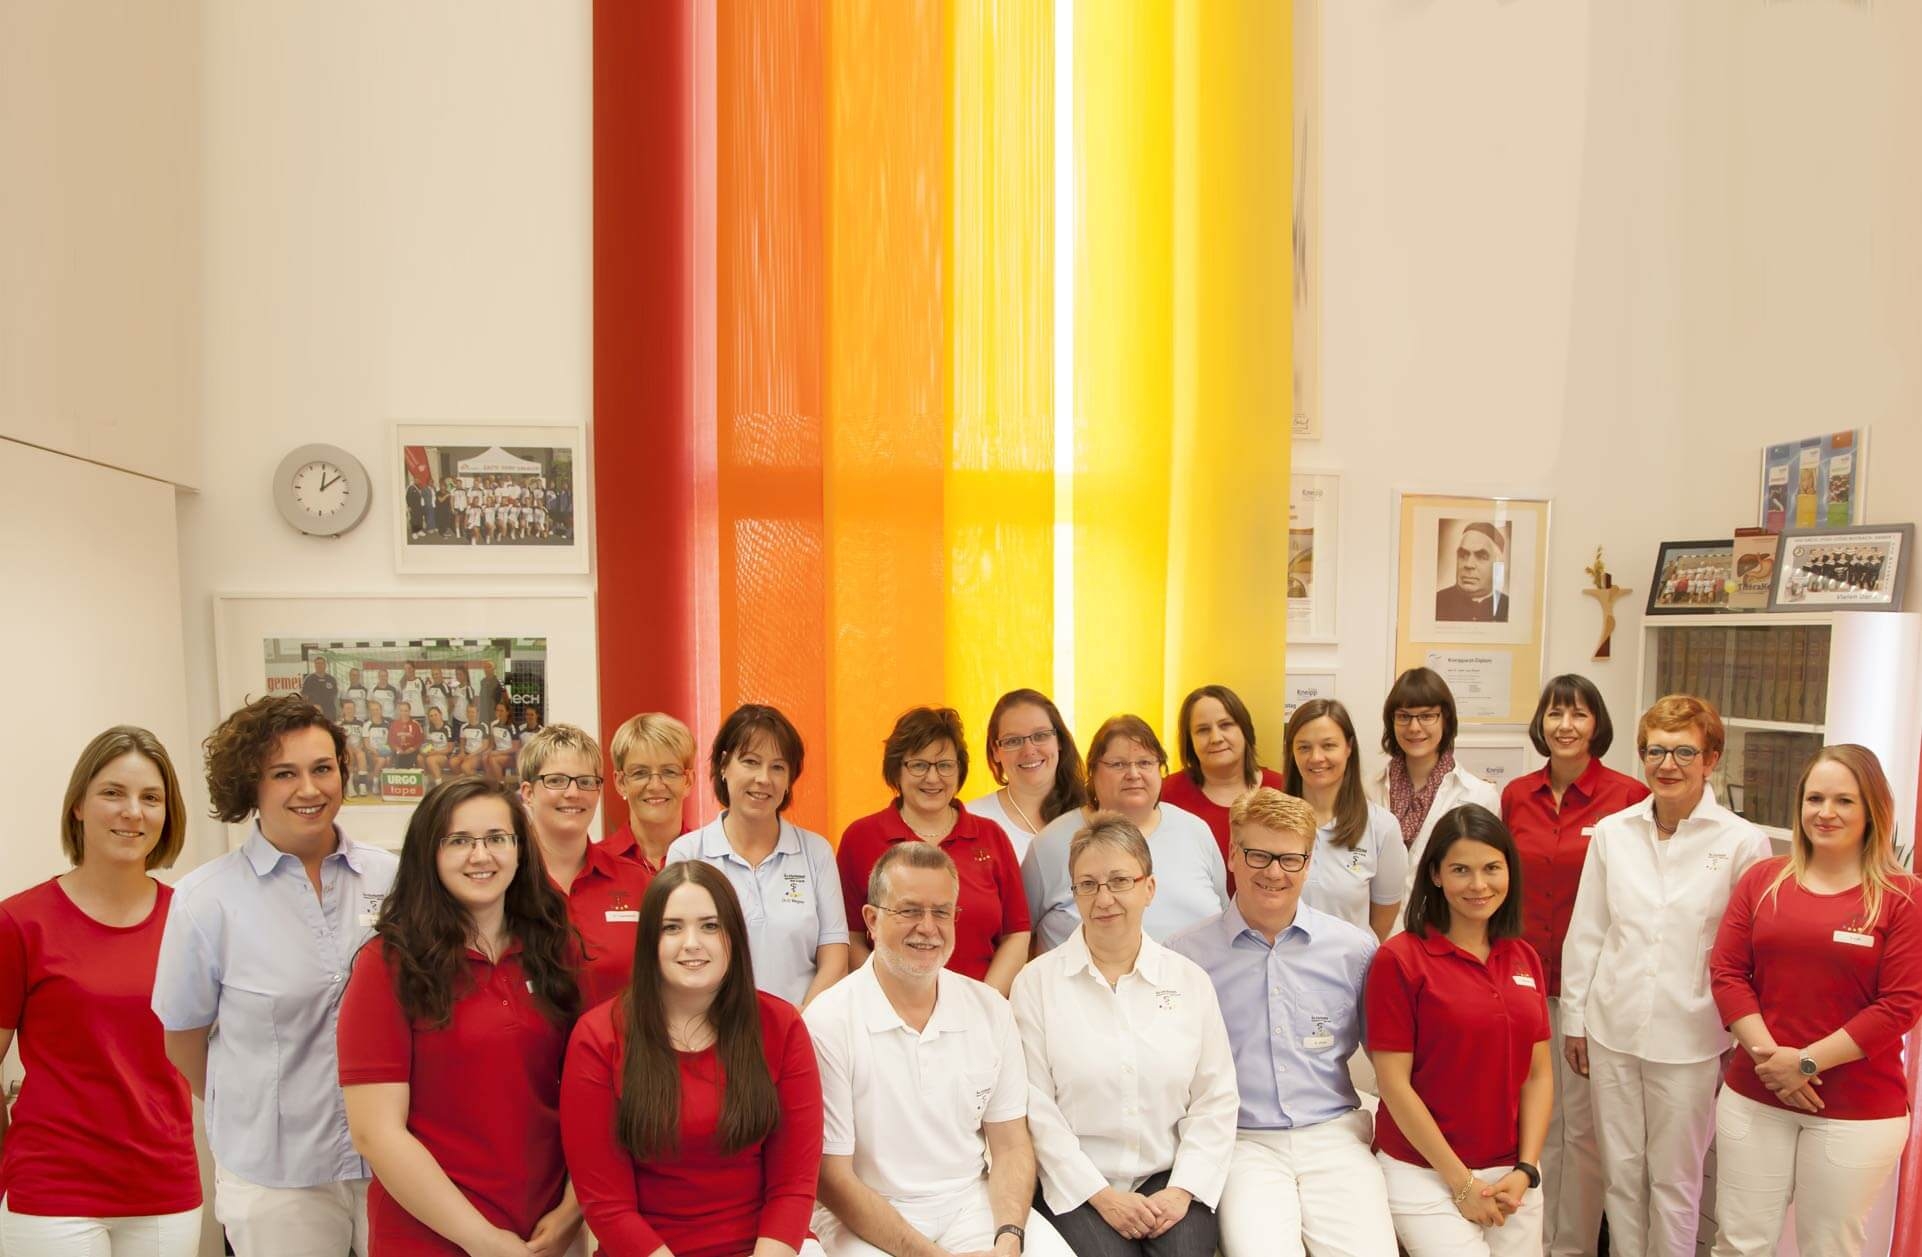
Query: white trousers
323	1221
153	1235
961	1223
1831	1168
1429	1225
1653	1123
1571	1160
1317	1187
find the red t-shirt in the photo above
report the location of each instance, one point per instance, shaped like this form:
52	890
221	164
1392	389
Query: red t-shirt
1472	1028
1811	966
484	1099
992	902
697	1200
1553	844
405	735
104	1125
1186	795
604	903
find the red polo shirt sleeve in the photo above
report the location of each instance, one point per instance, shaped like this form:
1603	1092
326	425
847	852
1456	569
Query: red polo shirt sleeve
376	1043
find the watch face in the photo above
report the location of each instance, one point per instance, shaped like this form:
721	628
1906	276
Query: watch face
320	488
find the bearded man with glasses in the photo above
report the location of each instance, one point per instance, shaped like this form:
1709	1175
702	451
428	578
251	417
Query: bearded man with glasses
1289	982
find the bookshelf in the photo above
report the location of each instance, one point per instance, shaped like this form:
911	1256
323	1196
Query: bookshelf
1785	685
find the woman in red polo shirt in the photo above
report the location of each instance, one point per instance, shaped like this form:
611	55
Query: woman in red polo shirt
99	1156
1817	969
1552	813
452	1032
925	763
1218	763
691	1105
1458	1030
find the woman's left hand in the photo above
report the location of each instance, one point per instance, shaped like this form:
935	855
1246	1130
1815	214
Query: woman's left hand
1171	1205
554	1233
1781	1071
1509	1190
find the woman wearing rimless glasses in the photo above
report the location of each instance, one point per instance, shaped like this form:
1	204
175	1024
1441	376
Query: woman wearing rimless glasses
1421	782
925	763
1033	758
1637	1018
1125	764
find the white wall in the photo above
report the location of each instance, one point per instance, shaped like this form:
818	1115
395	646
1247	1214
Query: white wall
1606	252
397	229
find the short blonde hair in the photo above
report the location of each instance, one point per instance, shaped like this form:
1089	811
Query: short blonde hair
550	741
1678	713
1269	808
654	729
1111	829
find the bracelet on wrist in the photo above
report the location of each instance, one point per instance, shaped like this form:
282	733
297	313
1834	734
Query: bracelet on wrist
1461	1193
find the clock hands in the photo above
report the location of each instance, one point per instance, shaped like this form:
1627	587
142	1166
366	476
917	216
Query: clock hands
326	484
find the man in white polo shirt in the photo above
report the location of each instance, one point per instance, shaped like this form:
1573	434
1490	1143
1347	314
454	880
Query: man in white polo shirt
924	1088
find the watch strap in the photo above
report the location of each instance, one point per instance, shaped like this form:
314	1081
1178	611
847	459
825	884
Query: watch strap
1020	1236
1533	1174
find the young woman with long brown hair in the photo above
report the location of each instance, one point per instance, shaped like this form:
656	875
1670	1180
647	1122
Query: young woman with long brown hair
452	1033
691	1106
1032	756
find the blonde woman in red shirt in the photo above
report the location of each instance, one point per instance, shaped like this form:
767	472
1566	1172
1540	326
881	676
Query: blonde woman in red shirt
1817	970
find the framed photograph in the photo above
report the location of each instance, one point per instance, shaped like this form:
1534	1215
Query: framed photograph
1471	599
1753	569
1815	482
1850	569
1692	577
425	687
1314	516
489	499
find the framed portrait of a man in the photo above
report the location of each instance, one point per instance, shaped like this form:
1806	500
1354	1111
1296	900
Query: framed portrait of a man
1470	598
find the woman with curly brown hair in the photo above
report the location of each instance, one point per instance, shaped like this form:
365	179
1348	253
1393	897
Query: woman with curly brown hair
469	986
252	966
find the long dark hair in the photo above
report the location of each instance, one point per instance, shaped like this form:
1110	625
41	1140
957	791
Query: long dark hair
1237	712
648	1117
426	933
1428	907
1351	801
1070	789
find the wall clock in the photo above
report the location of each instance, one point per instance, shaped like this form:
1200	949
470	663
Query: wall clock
322	490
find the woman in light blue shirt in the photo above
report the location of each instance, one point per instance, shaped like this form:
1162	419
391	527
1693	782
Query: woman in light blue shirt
252	966
1125	765
785	876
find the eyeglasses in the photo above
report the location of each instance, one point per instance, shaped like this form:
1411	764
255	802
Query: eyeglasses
914	916
1290	861
1125	765
922	767
1015	741
493	840
1119	884
1684	755
669	776
1426	719
558	781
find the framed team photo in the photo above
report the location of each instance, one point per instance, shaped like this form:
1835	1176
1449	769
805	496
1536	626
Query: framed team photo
425	688
1692	577
489	499
1849	569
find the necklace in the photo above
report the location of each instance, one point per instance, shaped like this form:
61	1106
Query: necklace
927	837
1026	823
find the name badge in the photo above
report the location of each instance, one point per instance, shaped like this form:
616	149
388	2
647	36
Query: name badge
368	919
629	915
1523	979
1588	831
1318	1042
1853	939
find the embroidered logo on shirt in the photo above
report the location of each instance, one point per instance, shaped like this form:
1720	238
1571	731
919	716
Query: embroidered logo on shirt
1716	859
369	909
796	885
1167	999
622	901
982	856
1355	858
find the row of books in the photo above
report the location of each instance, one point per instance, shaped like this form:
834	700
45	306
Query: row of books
1772	764
1777	673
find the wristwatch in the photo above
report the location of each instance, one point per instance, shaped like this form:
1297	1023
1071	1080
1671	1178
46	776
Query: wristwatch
1807	1066
1533	1175
1020	1236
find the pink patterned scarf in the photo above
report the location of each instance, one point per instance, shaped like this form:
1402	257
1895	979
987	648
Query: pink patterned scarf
1410	805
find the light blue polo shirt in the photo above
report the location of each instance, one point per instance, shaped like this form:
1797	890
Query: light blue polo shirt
1191	882
250	950
792	901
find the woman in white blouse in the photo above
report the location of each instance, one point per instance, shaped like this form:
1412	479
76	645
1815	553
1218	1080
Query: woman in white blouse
1125	766
1421	782
1132	1099
1360	865
1637	1016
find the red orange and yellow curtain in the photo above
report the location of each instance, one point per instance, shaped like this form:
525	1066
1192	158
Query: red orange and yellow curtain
895	404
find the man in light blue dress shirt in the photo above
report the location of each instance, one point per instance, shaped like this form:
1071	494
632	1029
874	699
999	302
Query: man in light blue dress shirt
252	966
1289	980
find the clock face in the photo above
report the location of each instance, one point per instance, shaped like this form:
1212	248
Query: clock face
321	488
